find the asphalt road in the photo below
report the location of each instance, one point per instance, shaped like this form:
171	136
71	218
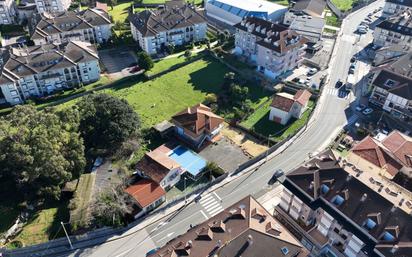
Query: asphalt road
331	115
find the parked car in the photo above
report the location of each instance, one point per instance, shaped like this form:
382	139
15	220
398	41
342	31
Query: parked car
278	173
369	20
362	29
98	162
360	107
352	69
135	69
312	71
152	251
338	84
367	111
353	59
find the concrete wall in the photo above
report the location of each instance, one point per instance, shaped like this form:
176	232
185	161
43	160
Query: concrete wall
277	113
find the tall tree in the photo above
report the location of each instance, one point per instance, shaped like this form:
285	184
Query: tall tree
40	150
106	121
145	61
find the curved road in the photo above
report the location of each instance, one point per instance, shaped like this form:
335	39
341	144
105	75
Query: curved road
330	116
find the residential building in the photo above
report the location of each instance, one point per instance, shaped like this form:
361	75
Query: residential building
52	6
197	124
232	12
389	53
274	48
305	8
391	86
159	167
396	29
26	10
392	7
177	23
7	11
168	163
41	70
91	25
147	194
337	214
385	157
309	27
285	106
244	229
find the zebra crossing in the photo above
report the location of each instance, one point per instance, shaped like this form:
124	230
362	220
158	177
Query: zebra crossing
211	203
341	93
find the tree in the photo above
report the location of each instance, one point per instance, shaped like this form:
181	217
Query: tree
188	54
145	61
238	94
106	121
40	151
111	3
111	206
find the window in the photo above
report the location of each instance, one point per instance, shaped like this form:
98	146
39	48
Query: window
388	237
389	83
369	224
284	250
338	200
324	189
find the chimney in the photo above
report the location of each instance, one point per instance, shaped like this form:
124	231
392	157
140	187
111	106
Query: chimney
393	209
316	184
249	240
189	244
394	248
363	198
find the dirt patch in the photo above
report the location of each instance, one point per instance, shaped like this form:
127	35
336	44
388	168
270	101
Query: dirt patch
244	141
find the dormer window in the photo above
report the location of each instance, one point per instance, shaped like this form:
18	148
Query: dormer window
338	200
369	224
388	237
389	83
324	189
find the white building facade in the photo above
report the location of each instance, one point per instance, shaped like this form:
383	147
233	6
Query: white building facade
52	6
7	12
39	71
392	7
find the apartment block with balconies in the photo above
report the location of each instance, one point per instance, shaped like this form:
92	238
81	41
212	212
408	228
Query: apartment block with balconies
52	6
392	7
177	23
7	12
42	70
274	48
396	29
346	218
90	25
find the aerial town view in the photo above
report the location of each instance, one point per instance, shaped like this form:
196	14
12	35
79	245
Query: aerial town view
206	128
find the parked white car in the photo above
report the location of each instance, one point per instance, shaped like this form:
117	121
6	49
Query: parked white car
312	71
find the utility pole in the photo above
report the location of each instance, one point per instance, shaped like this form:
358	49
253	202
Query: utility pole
267	151
67	235
185	187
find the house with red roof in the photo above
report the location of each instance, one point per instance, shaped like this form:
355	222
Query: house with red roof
387	157
196	124
148	195
285	106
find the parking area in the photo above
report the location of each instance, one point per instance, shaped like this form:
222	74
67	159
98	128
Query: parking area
118	62
306	76
225	154
106	175
321	57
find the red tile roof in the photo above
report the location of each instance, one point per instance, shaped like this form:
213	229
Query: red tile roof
145	192
372	151
401	146
197	118
282	103
302	96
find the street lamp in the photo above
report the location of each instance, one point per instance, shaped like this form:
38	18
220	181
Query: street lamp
267	150
184	183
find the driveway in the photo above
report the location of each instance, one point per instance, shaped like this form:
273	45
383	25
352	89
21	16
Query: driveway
118	61
225	154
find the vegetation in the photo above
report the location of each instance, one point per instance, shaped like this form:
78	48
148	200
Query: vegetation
260	123
106	121
343	5
40	151
79	205
213	169
145	61
281	2
332	19
168	63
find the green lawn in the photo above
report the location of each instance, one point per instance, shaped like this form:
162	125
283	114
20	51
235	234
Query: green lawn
332	19
44	225
120	11
260	123
82	197
281	2
343	5
169	62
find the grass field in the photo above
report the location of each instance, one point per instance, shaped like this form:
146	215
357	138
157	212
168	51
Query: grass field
44	225
81	200
168	63
120	11
260	123
343	5
332	19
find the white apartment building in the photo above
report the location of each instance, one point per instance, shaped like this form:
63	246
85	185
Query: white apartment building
392	7
274	48
41	70
177	23
90	25
396	29
7	12
52	6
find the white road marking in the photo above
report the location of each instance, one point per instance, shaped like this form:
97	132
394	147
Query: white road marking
220	199
124	253
216	211
211	206
204	214
166	236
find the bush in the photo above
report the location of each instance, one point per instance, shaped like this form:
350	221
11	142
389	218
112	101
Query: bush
214	169
16	244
